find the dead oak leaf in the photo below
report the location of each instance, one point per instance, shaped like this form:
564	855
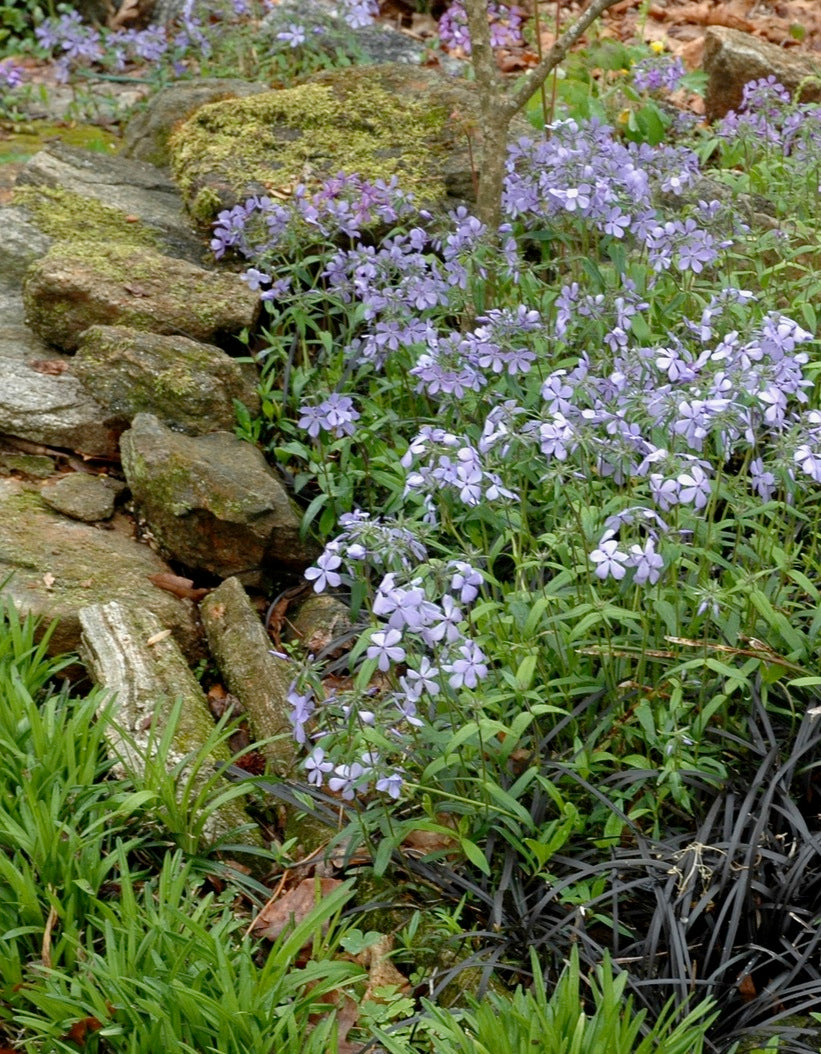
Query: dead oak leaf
292	907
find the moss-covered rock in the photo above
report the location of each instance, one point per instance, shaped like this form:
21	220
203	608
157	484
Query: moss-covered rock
78	284
212	502
52	567
376	121
185	383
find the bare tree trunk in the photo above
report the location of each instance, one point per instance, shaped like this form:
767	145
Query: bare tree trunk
497	105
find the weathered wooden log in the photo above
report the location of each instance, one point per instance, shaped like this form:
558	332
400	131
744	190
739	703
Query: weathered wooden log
148	683
259	679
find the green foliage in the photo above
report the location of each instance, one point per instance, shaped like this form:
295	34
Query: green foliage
582	1017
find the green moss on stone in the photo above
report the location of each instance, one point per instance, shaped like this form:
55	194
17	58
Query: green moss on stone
307	133
63	214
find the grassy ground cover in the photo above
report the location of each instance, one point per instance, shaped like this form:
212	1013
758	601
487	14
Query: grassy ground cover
566	475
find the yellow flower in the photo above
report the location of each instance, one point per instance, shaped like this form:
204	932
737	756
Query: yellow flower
623	117
656	47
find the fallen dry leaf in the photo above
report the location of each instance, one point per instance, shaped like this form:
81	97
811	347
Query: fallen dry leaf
292	907
179	586
51	367
48	579
156	638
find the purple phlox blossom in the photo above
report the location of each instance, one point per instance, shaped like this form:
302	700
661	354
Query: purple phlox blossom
635	514
317	766
416	683
407	708
466	581
324	572
446	627
254	278
694	485
469	668
335	414
761	479
808	457
359	13
347	780
658	73
610	561
506	22
302	706
391	784
293	35
404	608
385	648
11	75
647	563
278	291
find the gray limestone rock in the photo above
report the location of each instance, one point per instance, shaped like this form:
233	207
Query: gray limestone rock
52	409
52	567
149	688
732	58
146	135
81	496
260	680
81	284
22	243
188	385
211	501
137	190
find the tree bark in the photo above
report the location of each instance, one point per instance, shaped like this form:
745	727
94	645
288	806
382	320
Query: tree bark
497	105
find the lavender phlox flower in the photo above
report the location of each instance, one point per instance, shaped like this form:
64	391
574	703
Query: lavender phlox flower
348	780
808	458
664	490
302	706
324	573
647	563
293	35
761	479
505	26
334	414
635	514
658	73
610	561
385	648
403	607
254	278
278	290
359	13
11	75
694	485
317	766
446	627
466	581
391	784
468	668
557	437
418	682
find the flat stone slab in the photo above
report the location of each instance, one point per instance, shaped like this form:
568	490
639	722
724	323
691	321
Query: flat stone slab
55	410
59	566
135	188
81	284
82	496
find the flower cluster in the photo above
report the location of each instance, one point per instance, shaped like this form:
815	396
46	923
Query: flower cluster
422	650
768	116
659	73
506	23
11	74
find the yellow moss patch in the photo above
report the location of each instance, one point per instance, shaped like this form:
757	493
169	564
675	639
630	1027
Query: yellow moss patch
307	133
65	215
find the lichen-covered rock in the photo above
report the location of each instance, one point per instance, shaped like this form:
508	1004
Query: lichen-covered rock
146	134
260	680
52	567
75	193
211	501
81	284
186	384
376	121
82	496
52	409
732	58
320	621
149	686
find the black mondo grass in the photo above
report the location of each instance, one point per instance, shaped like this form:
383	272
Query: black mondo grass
728	909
